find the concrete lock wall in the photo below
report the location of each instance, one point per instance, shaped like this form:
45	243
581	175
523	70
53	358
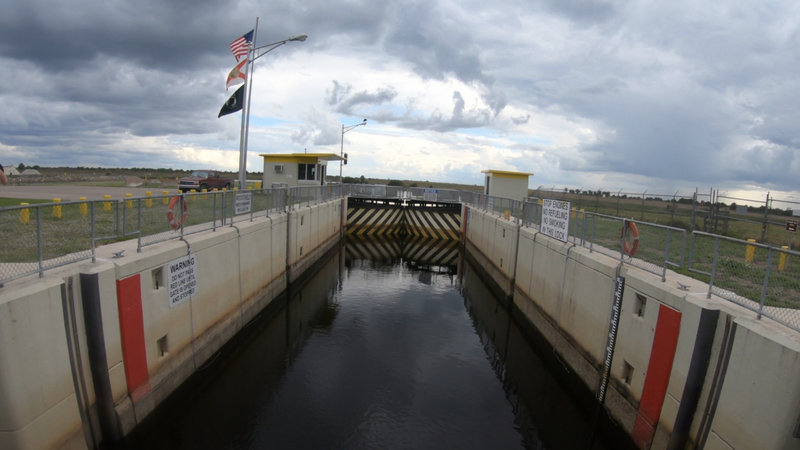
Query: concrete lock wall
88	351
687	371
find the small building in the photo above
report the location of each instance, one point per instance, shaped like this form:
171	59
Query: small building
503	183
296	169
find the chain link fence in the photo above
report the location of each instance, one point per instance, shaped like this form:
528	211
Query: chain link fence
759	276
768	220
761	273
48	235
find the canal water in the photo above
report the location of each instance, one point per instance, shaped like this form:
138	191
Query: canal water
378	351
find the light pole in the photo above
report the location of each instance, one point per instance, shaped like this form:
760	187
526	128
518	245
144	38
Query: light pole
252	57
345	129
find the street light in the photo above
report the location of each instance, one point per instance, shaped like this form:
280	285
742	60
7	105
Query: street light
345	129
246	114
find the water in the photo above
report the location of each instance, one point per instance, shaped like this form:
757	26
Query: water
377	354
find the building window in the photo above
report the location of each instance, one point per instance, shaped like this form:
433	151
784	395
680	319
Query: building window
307	172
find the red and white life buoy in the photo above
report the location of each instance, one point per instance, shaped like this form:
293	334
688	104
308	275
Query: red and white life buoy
630	250
176	221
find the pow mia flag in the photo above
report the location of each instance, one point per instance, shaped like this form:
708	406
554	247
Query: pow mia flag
234	103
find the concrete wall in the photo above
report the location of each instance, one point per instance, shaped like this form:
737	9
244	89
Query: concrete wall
687	371
54	394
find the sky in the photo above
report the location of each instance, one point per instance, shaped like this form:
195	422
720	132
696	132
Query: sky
623	96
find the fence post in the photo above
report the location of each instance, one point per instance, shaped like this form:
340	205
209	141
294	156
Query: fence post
713	266
694	209
766	220
750	251
39	241
782	259
24	214
57	208
644	194
766	283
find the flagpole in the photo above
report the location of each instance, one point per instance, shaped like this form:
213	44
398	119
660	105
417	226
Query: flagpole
246	111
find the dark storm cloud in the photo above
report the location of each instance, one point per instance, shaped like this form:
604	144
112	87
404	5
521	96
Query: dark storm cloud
65	35
704	93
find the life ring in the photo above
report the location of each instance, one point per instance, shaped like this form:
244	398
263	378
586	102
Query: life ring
176	221
630	251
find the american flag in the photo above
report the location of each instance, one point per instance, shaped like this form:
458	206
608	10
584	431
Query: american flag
240	46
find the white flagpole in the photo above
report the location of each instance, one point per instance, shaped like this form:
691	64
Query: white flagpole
246	111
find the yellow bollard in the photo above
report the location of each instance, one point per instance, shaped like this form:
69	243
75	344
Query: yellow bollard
258	185
506	214
107	203
581	215
83	208
148	203
129	202
572	212
24	214
782	260
539	202
165	200
193	197
204	193
750	251
57	208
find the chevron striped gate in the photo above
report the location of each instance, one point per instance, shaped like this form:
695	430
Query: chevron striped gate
417	251
397	217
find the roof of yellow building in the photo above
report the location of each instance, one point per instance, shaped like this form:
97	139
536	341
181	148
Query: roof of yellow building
507	173
298	157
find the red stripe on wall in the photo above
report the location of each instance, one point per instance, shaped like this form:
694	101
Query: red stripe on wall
131	326
464	222
662	355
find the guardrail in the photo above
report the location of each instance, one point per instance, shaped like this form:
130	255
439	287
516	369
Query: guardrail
45	236
41	237
755	276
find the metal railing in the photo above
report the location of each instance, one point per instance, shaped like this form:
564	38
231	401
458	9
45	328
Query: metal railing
756	276
41	237
45	236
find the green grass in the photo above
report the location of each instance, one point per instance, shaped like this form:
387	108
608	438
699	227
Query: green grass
4	202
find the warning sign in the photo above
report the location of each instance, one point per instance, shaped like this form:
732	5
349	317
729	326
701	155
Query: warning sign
555	219
791	226
182	279
244	202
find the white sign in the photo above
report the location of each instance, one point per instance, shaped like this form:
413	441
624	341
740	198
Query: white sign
555	219
244	200
181	279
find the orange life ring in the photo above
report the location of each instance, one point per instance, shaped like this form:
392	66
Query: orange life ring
176	221
630	251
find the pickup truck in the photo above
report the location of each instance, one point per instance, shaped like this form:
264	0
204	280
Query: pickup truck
205	179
